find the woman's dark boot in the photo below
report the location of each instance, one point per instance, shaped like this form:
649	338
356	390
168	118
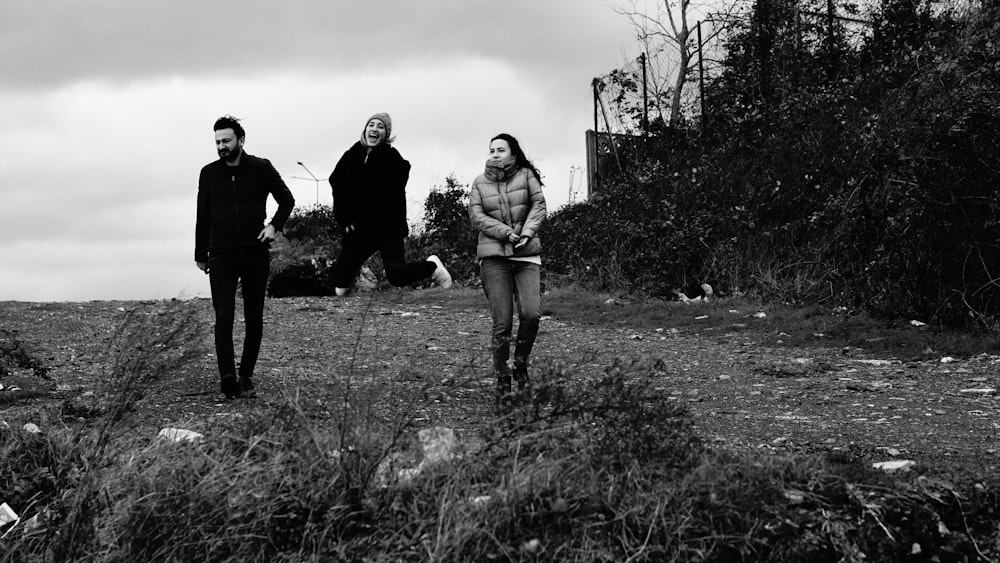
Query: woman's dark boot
521	376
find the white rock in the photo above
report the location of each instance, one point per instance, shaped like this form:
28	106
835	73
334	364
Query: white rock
760	315
31	428
895	465
532	545
915	322
180	435
794	496
947	360
480	500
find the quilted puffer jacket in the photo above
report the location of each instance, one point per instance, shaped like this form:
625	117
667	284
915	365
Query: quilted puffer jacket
515	205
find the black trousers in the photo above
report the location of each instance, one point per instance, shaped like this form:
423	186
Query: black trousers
226	268
358	248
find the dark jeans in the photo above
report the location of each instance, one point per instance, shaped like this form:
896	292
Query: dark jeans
358	248
506	281
226	268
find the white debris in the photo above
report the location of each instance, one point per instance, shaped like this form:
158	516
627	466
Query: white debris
7	514
32	524
180	435
980	391
480	500
947	360
794	496
760	315
439	444
915	322
31	428
895	465
531	546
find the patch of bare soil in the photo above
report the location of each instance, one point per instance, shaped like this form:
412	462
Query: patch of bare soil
742	394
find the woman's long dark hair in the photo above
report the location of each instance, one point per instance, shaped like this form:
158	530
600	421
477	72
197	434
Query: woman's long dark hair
519	158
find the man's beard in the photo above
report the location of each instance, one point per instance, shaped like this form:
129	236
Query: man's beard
230	156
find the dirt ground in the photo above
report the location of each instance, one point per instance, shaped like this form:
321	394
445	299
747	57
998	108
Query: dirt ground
941	413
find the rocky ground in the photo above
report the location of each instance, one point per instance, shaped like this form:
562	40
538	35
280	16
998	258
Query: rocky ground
743	394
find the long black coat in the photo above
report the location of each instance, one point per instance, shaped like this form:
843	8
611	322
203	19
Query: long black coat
370	193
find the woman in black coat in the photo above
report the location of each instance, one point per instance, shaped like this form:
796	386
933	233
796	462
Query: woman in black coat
369	204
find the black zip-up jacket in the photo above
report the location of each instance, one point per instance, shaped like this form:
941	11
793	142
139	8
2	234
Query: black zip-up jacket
370	193
232	204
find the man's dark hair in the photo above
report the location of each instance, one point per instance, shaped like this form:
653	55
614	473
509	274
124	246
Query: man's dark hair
230	122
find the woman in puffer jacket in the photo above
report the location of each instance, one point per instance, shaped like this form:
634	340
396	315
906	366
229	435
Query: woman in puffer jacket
507	207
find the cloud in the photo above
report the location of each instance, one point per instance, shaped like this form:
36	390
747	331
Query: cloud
55	42
107	108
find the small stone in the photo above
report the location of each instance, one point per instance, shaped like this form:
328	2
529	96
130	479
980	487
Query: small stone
894	465
180	435
531	546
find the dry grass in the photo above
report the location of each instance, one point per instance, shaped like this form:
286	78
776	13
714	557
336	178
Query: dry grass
599	469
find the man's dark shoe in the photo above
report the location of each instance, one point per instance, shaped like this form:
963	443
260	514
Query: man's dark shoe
247	389
230	386
502	396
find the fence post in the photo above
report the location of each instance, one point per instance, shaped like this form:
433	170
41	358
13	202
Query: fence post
592	172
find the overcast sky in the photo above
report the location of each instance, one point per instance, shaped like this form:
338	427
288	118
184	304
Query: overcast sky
106	112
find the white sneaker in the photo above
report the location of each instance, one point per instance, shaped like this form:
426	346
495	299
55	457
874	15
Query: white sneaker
440	275
341	291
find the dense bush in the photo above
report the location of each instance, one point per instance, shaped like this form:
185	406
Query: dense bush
861	171
448	232
310	246
849	167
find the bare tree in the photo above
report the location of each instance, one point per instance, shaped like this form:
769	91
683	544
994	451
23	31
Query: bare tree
669	36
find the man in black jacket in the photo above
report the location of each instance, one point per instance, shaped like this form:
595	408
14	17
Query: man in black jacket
232	245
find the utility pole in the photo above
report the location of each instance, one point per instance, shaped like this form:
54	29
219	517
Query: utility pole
701	80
